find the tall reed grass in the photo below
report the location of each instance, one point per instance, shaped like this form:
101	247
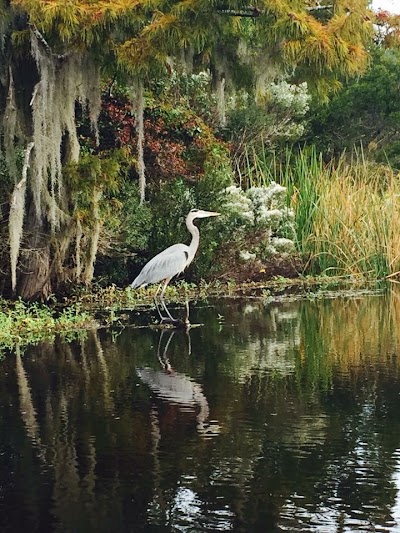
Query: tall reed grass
347	210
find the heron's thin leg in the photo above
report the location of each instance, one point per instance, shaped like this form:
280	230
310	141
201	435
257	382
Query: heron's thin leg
164	357
162	300
156	303
186	320
167	364
189	341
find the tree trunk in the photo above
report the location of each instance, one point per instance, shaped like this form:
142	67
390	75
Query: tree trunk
139	105
220	94
94	240
34	280
218	81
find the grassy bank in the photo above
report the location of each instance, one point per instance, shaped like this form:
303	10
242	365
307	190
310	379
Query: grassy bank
22	324
108	304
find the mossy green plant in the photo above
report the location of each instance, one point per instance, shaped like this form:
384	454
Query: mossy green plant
23	324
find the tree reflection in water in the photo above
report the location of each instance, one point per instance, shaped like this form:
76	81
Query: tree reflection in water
280	417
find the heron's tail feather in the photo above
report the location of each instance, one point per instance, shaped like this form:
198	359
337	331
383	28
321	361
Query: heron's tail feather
138	282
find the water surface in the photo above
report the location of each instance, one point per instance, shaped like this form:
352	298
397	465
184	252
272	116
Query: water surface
269	417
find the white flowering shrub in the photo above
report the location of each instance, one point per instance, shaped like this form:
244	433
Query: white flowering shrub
282	245
288	96
278	114
264	211
239	206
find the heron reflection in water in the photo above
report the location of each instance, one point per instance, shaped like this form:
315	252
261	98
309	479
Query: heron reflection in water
177	389
169	263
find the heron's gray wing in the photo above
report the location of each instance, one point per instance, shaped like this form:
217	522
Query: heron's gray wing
166	264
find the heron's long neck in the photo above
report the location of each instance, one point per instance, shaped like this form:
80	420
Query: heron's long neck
194	244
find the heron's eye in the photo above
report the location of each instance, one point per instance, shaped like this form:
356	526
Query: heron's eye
194	210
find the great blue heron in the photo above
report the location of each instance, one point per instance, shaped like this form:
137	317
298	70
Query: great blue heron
171	262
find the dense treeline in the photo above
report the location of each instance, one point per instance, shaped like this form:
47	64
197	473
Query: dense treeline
118	118
366	113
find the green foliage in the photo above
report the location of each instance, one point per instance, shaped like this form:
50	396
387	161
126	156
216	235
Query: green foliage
275	120
24	324
136	221
6	178
367	111
127	232
93	171
103	173
189	91
218	175
300	173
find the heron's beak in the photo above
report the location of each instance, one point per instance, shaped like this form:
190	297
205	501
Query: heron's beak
204	214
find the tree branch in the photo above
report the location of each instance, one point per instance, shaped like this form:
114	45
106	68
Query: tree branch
251	12
45	44
254	12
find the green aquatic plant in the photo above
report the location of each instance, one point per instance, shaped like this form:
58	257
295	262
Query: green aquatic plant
356	226
23	324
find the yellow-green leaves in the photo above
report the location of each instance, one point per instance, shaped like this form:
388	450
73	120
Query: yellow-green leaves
141	34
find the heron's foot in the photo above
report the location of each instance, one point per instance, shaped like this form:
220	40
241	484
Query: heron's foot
166	320
177	322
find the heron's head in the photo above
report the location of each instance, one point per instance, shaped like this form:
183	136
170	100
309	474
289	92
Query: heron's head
199	213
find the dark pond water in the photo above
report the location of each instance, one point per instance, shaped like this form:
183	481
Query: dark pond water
269	417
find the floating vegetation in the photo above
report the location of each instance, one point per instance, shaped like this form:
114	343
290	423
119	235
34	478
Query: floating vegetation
24	324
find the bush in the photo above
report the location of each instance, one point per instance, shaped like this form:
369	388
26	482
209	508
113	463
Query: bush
277	118
261	212
189	91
